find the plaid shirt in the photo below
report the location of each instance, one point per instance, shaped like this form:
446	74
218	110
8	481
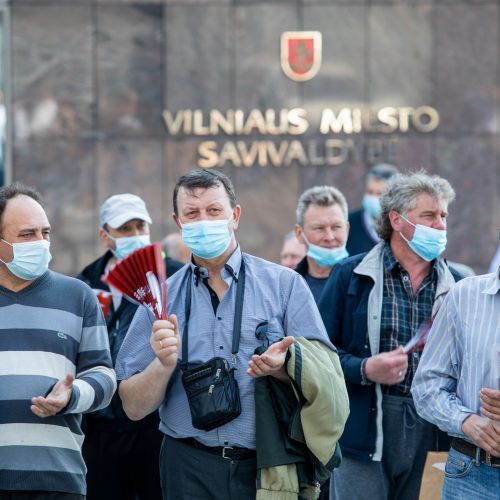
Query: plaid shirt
402	313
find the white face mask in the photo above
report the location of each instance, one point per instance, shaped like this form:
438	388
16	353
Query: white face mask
127	244
207	238
427	242
31	259
325	257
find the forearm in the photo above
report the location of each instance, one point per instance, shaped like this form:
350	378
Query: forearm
439	404
92	390
144	392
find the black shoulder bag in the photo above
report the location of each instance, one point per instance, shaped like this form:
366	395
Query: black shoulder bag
211	388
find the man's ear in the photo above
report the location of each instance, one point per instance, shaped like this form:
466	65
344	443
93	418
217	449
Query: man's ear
396	221
299	234
105	240
177	221
236	216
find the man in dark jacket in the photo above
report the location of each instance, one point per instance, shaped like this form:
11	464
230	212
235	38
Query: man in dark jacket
363	234
121	455
372	305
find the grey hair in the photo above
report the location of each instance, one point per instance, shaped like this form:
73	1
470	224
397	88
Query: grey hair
324	196
400	195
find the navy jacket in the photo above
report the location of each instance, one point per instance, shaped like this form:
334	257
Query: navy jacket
359	240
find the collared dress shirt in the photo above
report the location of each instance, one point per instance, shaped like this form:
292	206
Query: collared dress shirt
273	293
403	311
458	358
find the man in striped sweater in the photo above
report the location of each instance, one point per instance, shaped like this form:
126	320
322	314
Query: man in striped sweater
54	359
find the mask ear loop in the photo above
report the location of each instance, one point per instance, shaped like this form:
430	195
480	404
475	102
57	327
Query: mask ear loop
112	238
12	246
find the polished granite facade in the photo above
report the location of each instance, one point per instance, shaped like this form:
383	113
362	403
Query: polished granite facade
90	79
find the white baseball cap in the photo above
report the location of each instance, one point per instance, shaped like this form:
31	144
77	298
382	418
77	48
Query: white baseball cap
121	208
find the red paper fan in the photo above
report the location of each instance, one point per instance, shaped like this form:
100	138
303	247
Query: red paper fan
417	342
141	277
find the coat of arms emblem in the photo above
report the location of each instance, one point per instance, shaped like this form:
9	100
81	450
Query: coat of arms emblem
300	54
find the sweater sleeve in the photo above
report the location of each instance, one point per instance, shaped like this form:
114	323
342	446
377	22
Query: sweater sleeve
95	381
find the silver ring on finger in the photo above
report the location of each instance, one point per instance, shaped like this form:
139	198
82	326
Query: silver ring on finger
161	343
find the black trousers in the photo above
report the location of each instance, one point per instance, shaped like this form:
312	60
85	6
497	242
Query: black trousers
188	473
39	495
123	465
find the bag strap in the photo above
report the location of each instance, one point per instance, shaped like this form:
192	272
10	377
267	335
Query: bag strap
238	311
238	314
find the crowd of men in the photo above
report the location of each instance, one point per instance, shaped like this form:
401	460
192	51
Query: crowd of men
265	381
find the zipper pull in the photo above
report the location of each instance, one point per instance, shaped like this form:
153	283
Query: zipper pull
217	373
211	389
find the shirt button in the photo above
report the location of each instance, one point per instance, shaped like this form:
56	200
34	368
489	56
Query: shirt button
415	355
370	455
375	316
373	409
366	346
221	347
219	318
405	278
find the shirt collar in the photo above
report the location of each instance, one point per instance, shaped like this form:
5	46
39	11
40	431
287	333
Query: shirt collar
234	263
391	263
493	283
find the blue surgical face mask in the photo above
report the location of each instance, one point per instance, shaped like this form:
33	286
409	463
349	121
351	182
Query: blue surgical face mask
31	259
207	238
326	257
127	244
371	204
427	242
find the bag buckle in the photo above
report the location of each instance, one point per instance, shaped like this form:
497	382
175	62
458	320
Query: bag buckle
226	448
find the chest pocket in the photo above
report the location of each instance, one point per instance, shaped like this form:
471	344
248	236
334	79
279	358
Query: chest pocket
257	332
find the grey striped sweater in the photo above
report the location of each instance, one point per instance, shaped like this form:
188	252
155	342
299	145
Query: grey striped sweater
51	328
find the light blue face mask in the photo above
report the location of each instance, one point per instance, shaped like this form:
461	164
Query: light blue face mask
207	238
127	244
326	257
371	204
31	259
427	242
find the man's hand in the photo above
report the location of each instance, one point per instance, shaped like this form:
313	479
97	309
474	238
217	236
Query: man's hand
484	432
490	403
272	361
165	341
387	367
56	399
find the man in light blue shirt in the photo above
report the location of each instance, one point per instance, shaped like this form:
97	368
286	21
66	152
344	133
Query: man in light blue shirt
276	307
457	385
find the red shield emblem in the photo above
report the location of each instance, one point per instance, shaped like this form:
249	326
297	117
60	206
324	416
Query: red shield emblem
300	54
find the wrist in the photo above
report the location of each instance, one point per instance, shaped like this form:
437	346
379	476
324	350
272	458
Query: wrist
364	377
281	375
468	424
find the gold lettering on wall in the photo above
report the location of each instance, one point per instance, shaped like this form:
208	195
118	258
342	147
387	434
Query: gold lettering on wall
285	153
295	121
339	132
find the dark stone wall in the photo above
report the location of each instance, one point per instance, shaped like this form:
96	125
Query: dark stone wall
90	79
